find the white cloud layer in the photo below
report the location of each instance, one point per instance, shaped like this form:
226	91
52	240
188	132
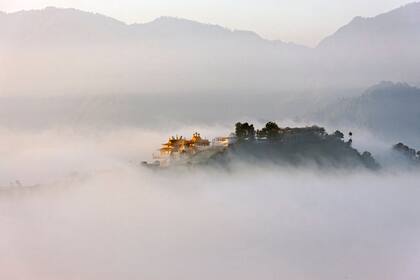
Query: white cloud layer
112	220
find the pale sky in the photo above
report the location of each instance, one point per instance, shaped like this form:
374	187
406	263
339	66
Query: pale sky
301	21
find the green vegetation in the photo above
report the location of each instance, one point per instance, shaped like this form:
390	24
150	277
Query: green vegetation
244	131
297	146
270	131
408	153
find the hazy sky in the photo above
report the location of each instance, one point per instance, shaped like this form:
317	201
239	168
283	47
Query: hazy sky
300	21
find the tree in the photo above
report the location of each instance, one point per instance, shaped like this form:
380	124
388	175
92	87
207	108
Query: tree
245	131
240	131
251	132
339	134
317	130
270	131
407	151
369	161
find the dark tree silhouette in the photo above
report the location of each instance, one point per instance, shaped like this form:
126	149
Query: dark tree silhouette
339	134
245	131
406	151
270	131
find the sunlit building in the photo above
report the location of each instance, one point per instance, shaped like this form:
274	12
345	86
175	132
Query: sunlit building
179	149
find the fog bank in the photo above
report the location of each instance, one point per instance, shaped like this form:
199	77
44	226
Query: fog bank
96	216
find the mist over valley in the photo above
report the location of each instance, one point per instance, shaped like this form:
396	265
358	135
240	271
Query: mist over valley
175	149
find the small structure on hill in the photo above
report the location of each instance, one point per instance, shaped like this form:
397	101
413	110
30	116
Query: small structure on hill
180	145
181	150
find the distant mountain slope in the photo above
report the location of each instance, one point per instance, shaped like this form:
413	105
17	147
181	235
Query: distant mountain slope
68	51
62	50
53	25
56	24
368	50
399	27
389	109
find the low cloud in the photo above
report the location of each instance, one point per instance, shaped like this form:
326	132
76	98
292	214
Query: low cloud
94	215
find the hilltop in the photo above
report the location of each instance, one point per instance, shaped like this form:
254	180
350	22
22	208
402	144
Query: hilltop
299	146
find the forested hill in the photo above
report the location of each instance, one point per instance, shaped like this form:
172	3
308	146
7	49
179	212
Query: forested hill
300	146
390	110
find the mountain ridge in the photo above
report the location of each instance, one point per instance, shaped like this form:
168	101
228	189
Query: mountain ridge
410	11
405	15
66	46
176	24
